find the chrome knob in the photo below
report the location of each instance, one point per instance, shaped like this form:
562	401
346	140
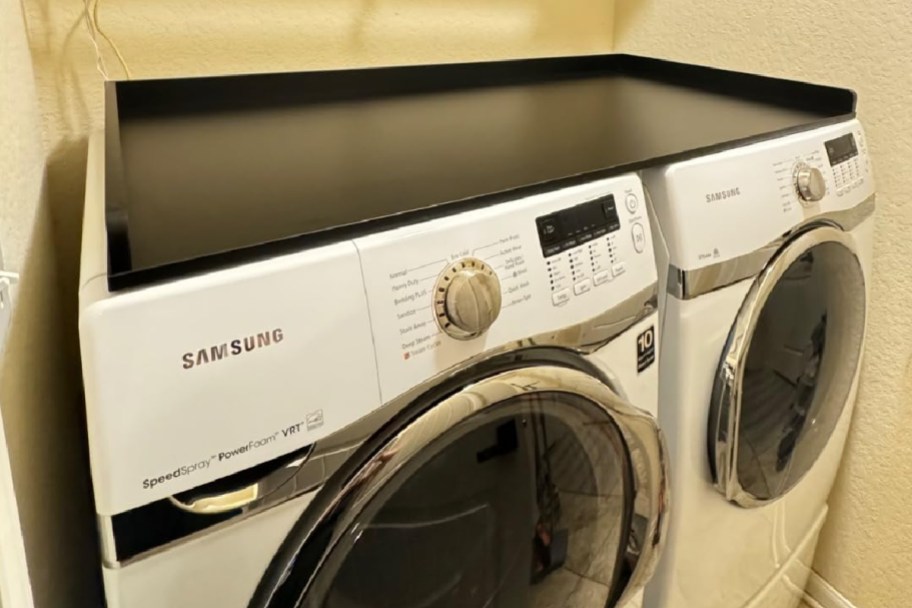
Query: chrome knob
810	183
467	299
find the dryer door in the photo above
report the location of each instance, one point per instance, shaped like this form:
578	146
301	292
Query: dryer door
536	487
788	367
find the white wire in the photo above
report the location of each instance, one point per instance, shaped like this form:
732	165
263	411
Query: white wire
99	60
90	14
120	57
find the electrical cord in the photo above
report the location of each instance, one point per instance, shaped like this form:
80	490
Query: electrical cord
99	60
90	15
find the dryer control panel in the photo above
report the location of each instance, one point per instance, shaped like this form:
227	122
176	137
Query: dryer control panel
721	206
825	170
849	167
448	289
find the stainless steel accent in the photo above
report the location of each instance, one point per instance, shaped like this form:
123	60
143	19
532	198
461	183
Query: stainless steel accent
329	453
649	465
810	183
728	388
467	299
688	284
214	504
107	542
584	338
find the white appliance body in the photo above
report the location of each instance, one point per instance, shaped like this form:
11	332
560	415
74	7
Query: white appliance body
708	212
222	567
191	381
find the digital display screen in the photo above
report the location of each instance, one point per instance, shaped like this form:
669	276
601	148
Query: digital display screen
572	227
841	149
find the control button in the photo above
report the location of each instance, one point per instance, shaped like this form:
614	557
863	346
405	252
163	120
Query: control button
552	250
618	269
582	287
602	277
632	202
467	299
560	297
548	229
810	183
639	237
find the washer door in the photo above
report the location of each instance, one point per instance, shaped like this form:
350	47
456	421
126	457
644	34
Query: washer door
788	367
537	487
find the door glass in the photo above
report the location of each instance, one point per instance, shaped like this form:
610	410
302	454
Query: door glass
799	369
523	505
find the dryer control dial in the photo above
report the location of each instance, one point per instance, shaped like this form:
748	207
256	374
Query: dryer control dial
810	183
467	298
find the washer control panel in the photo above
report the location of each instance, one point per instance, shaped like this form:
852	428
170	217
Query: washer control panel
449	289
580	245
577	225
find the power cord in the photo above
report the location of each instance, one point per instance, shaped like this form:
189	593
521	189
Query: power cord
90	15
7	280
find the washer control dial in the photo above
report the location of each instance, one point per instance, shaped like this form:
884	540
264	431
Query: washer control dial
467	299
810	183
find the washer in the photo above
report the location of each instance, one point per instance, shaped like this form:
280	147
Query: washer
765	260
456	411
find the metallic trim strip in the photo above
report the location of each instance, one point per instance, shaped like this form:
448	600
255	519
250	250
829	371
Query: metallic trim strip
106	536
199	502
688	284
331	452
725	401
647	451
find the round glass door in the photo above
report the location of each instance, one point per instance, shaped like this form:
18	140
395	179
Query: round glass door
511	494
788	368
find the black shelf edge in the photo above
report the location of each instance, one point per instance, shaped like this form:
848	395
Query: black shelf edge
143	99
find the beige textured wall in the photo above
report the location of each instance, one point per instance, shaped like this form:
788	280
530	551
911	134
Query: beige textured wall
21	155
41	409
865	551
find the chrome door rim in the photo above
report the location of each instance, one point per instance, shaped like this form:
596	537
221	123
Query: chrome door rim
725	401
641	434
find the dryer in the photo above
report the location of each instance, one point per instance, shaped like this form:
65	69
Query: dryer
764	253
446	411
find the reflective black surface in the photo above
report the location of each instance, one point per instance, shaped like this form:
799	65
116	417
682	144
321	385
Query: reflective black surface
523	505
215	168
800	367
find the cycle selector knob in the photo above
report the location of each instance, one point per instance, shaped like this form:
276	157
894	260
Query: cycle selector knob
810	183
467	299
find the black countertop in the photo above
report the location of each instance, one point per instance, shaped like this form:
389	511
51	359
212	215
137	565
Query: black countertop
206	172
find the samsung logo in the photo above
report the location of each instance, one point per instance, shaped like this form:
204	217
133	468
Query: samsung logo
233	348
722	195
